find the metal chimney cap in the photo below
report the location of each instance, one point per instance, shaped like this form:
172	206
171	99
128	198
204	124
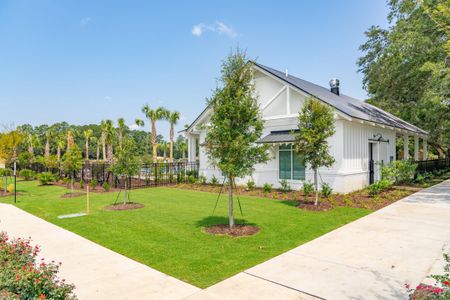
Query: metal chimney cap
334	83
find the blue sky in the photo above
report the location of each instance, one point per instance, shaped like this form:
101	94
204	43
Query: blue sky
84	61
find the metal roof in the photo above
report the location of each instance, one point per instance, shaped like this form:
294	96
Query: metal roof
350	106
274	137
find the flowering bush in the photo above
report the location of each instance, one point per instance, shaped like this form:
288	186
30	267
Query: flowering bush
439	290
22	277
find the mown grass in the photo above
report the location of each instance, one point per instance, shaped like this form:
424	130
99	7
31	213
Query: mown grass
167	233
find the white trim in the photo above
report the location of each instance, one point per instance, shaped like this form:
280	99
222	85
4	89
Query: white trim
274	97
288	100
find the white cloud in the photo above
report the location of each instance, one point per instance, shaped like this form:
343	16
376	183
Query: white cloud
134	126
218	27
84	21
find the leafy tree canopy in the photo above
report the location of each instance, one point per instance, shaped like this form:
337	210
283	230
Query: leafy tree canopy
406	66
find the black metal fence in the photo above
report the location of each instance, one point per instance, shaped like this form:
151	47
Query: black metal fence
149	175
432	165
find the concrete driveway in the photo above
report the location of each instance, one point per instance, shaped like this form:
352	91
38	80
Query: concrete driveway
371	258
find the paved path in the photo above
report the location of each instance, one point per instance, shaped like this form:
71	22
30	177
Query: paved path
370	258
98	273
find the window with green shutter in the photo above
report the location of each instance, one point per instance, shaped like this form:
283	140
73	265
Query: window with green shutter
291	166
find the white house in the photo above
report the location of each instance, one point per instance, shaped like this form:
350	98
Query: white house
364	139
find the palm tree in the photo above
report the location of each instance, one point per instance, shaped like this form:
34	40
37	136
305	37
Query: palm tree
183	147
103	137
49	134
87	136
163	146
109	138
95	141
173	118
120	129
70	140
140	123
60	143
154	115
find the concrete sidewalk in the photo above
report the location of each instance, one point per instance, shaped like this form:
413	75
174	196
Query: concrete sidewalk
371	258
98	273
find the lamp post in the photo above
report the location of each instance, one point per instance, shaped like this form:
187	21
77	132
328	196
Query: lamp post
15	181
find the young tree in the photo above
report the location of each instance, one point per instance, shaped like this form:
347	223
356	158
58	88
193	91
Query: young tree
60	144
315	125
110	133
9	145
154	115
72	162
235	125
125	165
173	118
87	136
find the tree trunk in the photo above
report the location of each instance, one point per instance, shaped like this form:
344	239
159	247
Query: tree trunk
120	139
98	152
110	152
87	149
155	154
316	201
71	183
103	146
125	192
230	203
171	144
58	152
47	148
146	148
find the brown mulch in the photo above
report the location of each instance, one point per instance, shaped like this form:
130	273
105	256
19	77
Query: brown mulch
76	186
3	194
237	231
72	195
321	206
128	206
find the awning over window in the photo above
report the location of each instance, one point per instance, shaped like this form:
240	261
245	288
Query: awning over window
277	137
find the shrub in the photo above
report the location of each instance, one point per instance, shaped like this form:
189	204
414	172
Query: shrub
22	277
326	190
202	180
6	172
250	184
267	187
308	189
81	184
93	183
214	180
10	188
191	179
285	186
377	187
66	180
106	186
405	170
46	178
27	174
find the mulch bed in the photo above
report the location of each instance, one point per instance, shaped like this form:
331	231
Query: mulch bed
76	186
128	206
72	195
3	194
321	206
237	231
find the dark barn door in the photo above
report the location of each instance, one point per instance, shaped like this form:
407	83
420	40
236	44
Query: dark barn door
371	164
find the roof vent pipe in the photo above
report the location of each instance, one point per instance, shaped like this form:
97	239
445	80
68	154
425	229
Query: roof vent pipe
334	85
286	73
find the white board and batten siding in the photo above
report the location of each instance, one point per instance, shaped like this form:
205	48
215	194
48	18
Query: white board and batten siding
280	104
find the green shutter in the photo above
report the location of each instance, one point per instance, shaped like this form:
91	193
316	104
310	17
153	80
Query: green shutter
299	167
285	164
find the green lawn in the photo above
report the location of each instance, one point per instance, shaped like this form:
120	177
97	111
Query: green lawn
167	234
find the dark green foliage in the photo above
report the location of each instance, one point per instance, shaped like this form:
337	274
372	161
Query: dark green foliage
406	67
106	186
27	174
46	178
267	187
399	172
326	190
379	186
202	179
192	179
93	183
25	159
250	184
81	184
285	186
214	180
308	188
